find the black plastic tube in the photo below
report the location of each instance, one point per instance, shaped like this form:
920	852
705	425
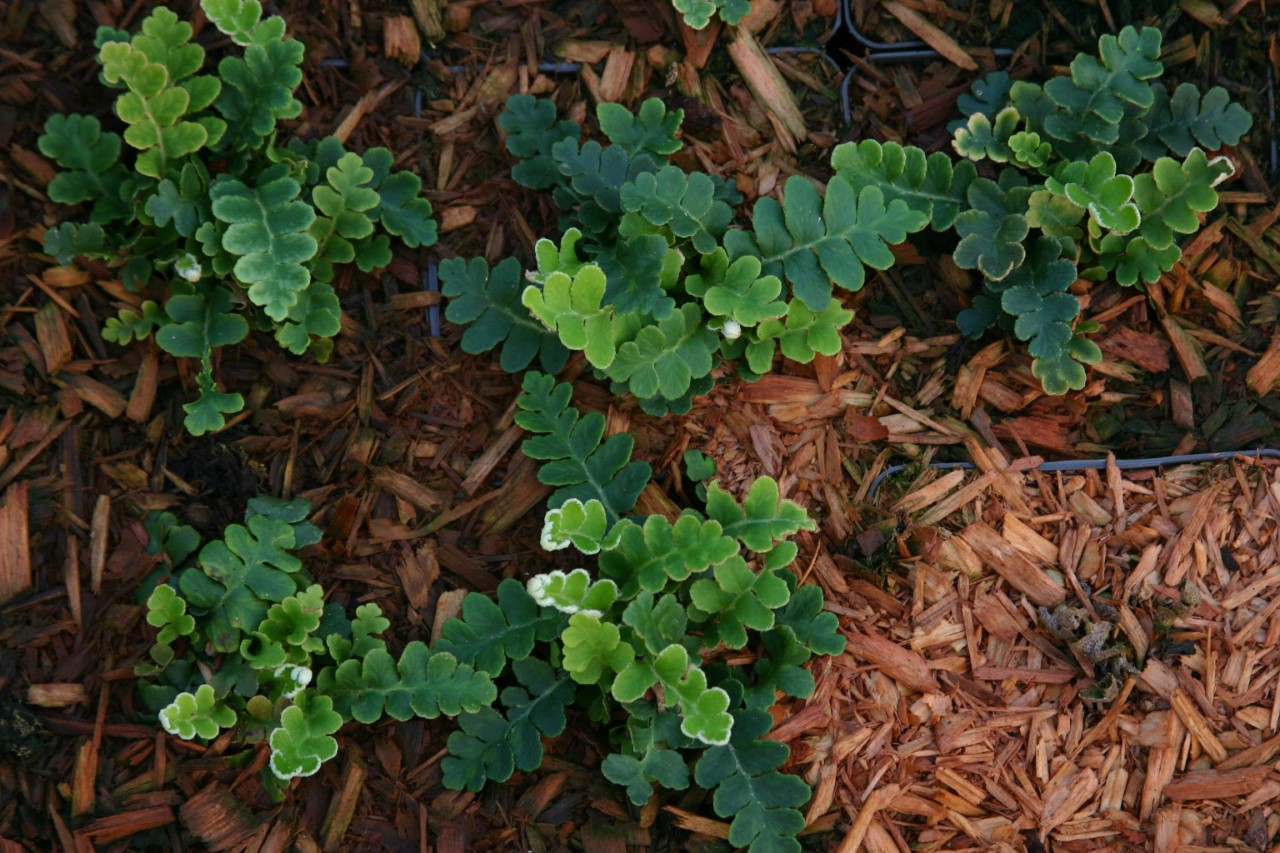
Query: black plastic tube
1098	464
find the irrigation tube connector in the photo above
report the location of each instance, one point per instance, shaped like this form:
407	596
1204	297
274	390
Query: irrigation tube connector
1098	464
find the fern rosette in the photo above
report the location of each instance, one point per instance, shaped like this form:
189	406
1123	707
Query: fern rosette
246	641
215	225
1101	172
635	633
650	279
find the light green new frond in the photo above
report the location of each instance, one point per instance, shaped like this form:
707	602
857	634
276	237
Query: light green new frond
304	739
583	525
573	592
572	307
982	138
153	107
197	715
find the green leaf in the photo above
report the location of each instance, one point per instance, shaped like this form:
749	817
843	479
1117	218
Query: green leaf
93	173
762	520
739	599
292	622
664	766
67	241
595	176
198	322
166	536
649	556
984	138
663	359
658	623
198	715
932	185
704	710
651	129
168	612
593	650
153	107
1066	371
242	20
1055	215
532	129
1093	100
1096	187
489	303
639	272
1036	295
1185	119
129	325
238	574
992	229
345	201
576	461
267	232
780	667
1029	150
317	315
491	633
181	206
404	213
817	629
303	741
684	203
357	640
206	412
1134	259
491	747
257	91
988	95
421	684
698	13
582	525
573	592
762	802
1172	195
801	335
737	290
819	240
572	307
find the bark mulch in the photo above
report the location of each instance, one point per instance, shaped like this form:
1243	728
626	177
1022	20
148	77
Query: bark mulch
1061	661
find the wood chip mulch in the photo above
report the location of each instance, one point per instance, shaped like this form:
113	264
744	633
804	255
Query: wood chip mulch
1067	661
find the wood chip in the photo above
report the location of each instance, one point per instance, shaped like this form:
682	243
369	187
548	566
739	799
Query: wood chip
931	35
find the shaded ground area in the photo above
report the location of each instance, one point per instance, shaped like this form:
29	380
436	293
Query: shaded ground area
407	451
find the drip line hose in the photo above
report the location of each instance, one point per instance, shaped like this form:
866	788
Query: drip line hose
1098	464
884	53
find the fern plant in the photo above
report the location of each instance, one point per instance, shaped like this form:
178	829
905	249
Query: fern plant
215	225
649	280
245	640
1095	175
641	644
698	13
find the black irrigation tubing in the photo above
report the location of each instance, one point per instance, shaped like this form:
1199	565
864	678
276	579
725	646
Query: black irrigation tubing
884	53
1099	464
